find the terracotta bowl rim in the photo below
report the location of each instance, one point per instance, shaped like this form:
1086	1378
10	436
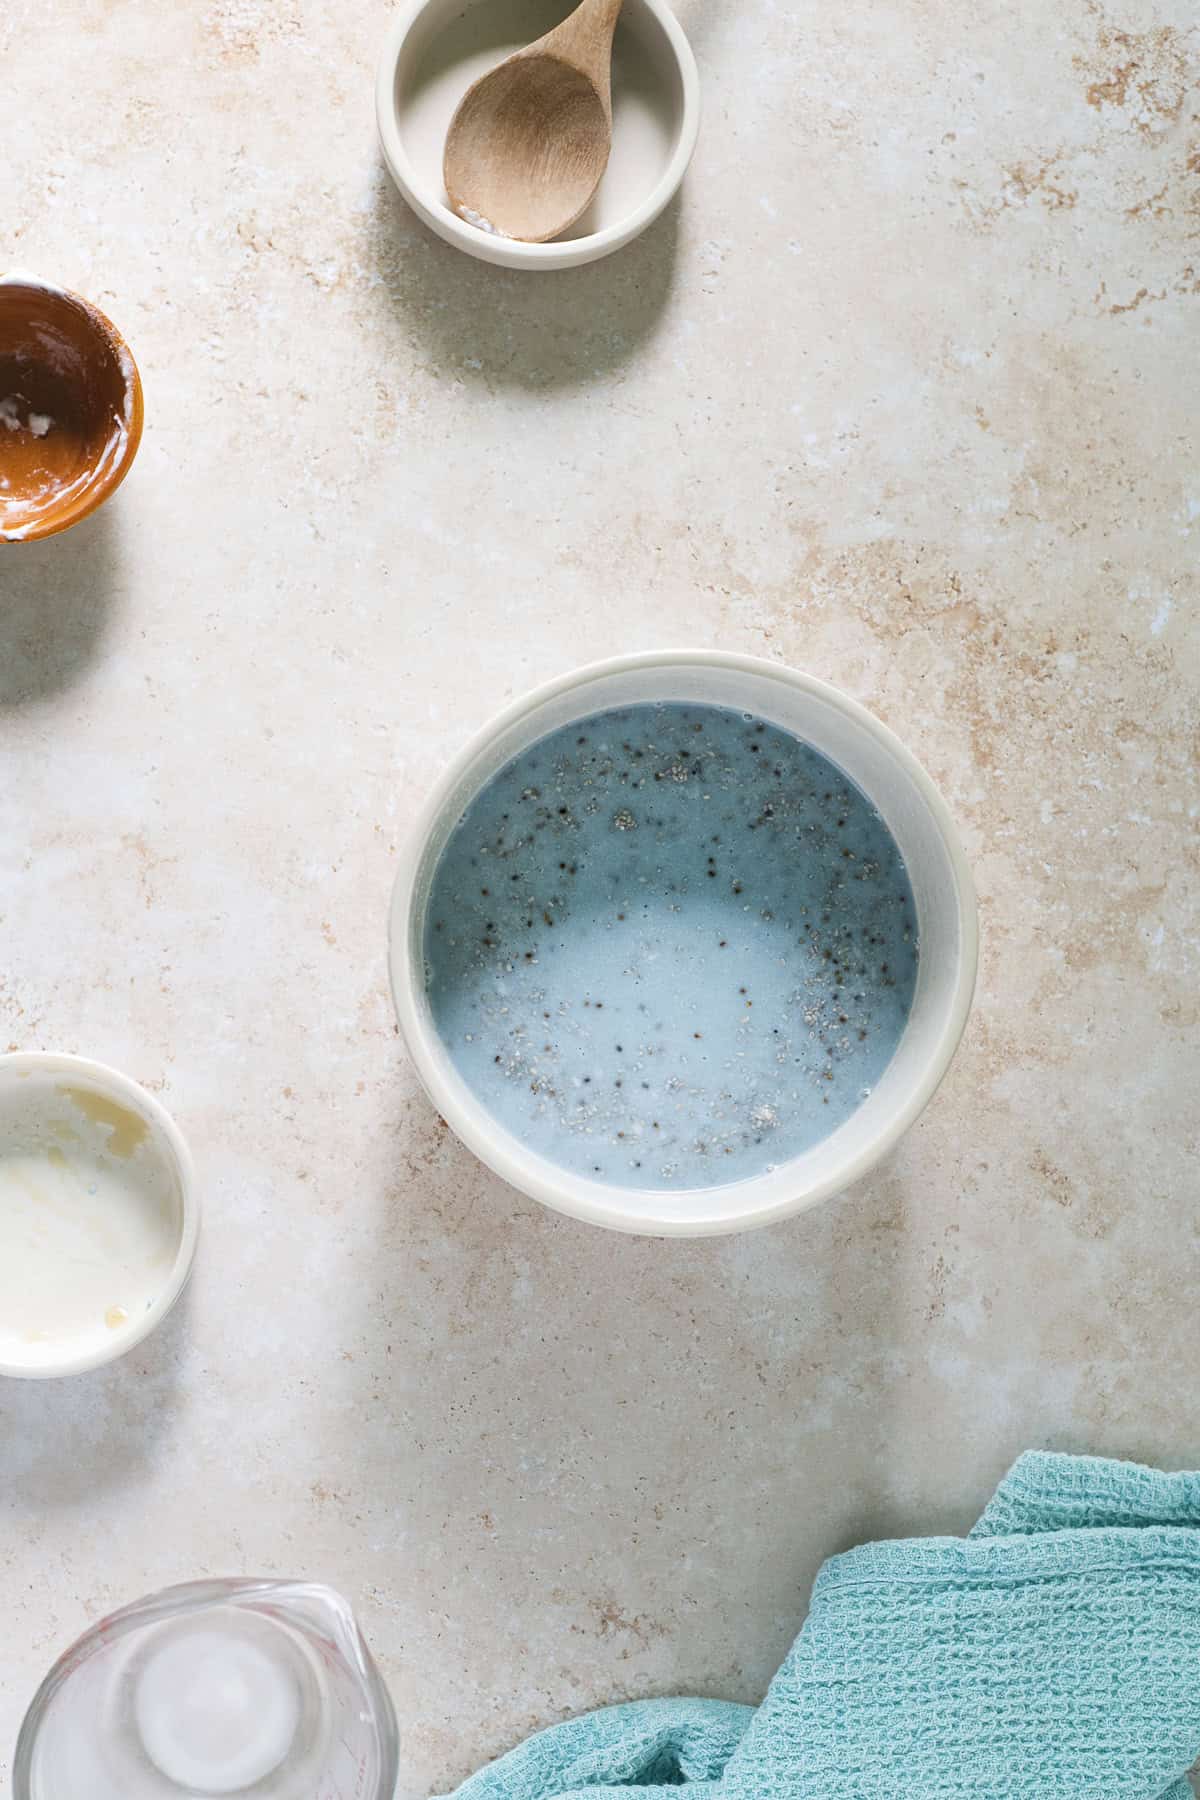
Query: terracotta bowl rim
106	484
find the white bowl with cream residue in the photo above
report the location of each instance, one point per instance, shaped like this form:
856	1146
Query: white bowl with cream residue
98	1214
437	48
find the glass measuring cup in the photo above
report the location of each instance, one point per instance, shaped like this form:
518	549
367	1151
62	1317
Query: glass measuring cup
263	1689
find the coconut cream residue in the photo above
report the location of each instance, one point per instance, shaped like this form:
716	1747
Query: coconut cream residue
479	222
89	1218
10	417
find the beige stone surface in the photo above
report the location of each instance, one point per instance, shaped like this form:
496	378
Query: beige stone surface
904	391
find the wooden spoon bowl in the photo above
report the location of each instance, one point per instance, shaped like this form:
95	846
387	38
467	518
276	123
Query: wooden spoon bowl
530	143
70	409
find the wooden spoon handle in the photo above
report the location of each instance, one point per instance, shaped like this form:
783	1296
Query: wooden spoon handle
585	40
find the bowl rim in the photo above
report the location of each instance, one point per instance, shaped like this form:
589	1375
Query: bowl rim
512	253
135	1097
572	1195
102	489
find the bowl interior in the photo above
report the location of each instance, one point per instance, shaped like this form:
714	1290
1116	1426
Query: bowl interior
449	46
70	409
93	1223
910	808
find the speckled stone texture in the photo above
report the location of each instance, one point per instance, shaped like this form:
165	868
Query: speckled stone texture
902	391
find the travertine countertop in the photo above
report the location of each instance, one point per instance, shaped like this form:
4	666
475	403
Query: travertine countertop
903	391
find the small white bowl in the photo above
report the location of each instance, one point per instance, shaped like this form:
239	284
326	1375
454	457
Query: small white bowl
98	1214
437	48
947	928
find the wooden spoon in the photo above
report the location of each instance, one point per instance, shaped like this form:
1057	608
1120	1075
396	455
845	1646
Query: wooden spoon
530	140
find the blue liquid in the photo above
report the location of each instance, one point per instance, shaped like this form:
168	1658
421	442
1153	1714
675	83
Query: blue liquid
670	946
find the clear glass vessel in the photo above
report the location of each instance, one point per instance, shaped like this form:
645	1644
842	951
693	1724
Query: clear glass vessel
262	1689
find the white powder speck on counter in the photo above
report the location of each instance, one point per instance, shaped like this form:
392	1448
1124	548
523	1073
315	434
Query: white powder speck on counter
479	222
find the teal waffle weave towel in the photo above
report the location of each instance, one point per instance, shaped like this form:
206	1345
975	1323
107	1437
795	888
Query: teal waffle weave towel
1054	1654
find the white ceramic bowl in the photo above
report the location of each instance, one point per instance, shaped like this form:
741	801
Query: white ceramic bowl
436	48
947	930
98	1214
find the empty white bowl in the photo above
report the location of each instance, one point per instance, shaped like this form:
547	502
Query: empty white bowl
98	1214
913	811
437	48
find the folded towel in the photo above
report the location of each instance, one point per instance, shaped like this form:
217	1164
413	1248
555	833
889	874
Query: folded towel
1054	1654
